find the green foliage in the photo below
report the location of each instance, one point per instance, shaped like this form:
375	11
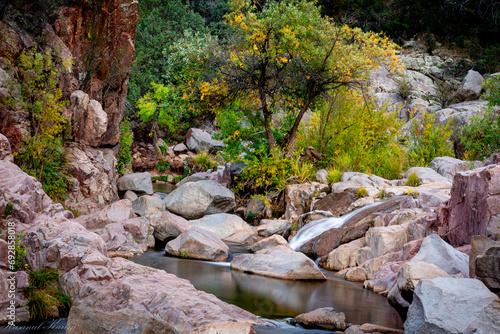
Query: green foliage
481	137
42	155
184	254
413	180
445	93
353	135
124	156
44	292
163	178
21	253
490	60
45	159
404	86
204	161
361	192
334	175
177	179
8	210
429	140
163	165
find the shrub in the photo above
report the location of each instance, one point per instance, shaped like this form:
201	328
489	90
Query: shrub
44	292
124	157
481	137
21	253
334	175
163	165
445	93
204	161
404	86
413	180
361	192
429	140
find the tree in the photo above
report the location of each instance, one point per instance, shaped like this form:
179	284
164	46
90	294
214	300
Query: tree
284	56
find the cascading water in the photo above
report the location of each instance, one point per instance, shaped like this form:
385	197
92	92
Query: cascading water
316	227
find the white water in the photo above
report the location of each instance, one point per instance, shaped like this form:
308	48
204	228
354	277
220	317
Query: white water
316	227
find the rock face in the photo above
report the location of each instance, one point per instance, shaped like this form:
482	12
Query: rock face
201	141
474	206
196	199
5	152
278	263
452	305
116	212
387	239
471	86
138	182
224	225
336	203
94	178
448	166
199	244
354	180
298	198
488	268
434	250
325	317
89	120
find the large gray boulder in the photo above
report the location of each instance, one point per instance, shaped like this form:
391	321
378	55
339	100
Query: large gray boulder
471	86
325	317
224	225
269	227
168	225
196	199
199	244
147	206
201	141
137	182
436	251
448	166
278	263
427	175
452	306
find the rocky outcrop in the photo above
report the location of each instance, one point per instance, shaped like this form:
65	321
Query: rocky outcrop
278	263
387	239
93	184
474	207
89	120
427	175
298	198
353	180
448	166
201	141
137	182
196	199
453	305
228	227
325	317
200	244
116	212
5	151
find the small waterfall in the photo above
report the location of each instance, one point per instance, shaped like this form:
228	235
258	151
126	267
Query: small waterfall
316	227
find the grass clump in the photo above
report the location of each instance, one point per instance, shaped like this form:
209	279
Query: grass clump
204	161
334	175
413	180
361	192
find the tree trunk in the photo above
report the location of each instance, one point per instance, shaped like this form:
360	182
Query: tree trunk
291	137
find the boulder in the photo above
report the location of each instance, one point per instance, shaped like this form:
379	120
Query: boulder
168	225
116	212
270	242
86	320
325	317
137	182
141	231
448	166
130	195
412	272
383	240
94	172
298	198
278	263
223	225
199	244
450	305
269	227
257	209
371	328
344	256
118	241
427	175
488	268
479	245
436	251
353	180
322	176
337	204
180	148
89	119
471	86
201	141
5	151
474	206
196	199
147	206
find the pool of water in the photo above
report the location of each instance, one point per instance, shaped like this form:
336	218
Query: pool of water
278	299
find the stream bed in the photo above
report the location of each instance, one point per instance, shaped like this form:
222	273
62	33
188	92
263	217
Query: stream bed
278	299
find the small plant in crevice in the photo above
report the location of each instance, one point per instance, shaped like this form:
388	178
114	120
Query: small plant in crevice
334	175
404	85
21	253
44	293
184	254
445	93
413	180
8	210
361	192
204	161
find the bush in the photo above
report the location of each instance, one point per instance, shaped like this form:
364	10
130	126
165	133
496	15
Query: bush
445	94
481	137
162	166
353	135
44	292
413	180
204	161
124	156
404	86
429	140
334	175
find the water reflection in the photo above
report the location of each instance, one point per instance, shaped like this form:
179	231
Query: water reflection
275	298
